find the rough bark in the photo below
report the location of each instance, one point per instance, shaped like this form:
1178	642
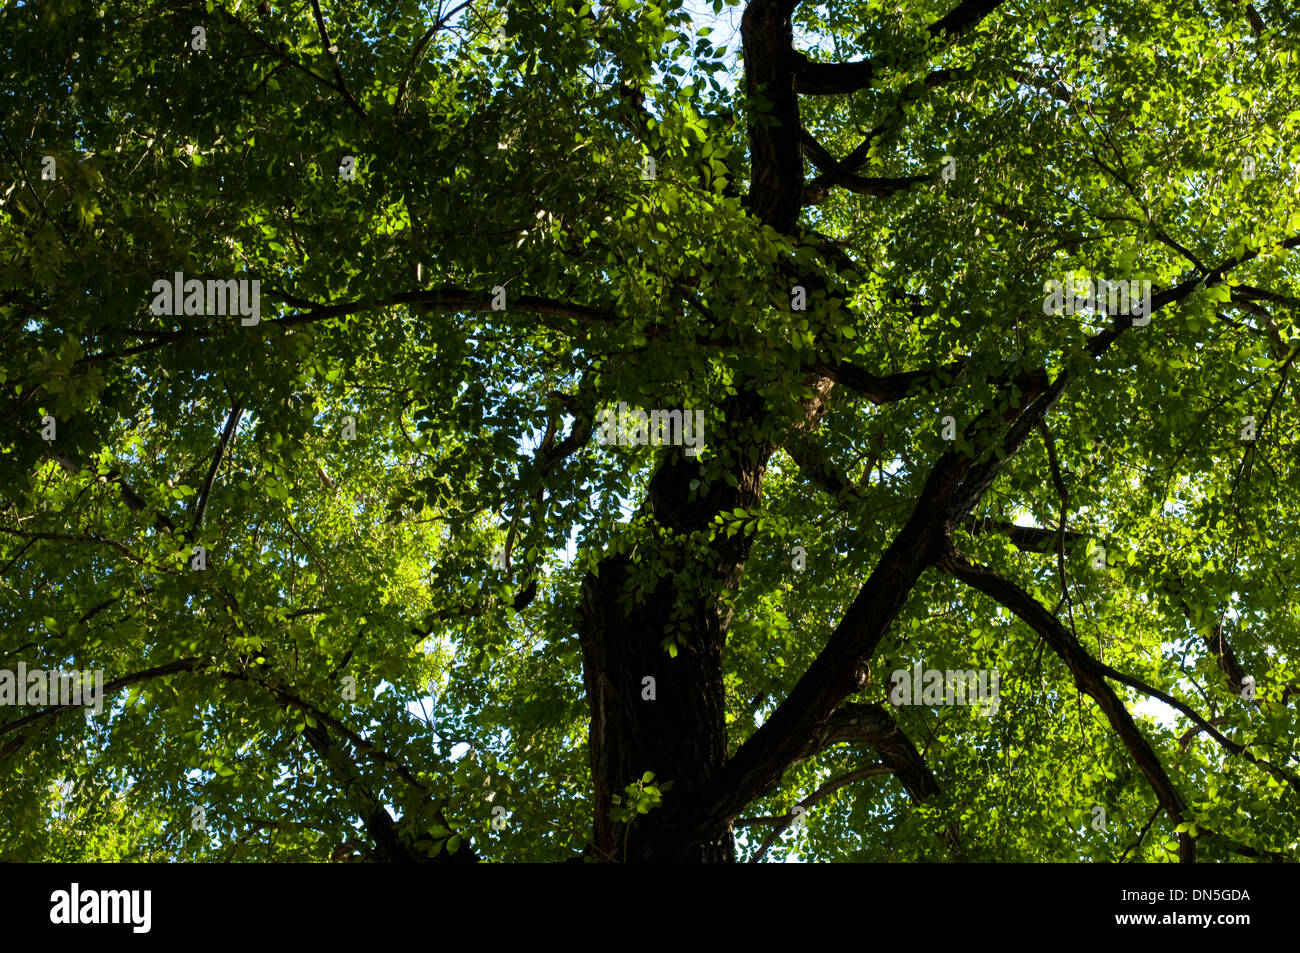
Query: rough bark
681	734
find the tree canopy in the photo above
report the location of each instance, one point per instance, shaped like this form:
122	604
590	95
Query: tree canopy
965	333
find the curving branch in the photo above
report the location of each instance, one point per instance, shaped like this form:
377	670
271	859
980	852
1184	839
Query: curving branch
1087	676
1090	676
446	298
169	668
823	792
201	504
872	724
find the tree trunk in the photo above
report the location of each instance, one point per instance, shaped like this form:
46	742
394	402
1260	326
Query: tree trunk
681	735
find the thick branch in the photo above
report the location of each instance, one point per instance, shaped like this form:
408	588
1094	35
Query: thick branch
1028	539
892	387
828	79
954	486
963	18
835	173
871	724
776	176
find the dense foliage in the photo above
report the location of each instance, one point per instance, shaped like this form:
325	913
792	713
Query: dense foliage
434	614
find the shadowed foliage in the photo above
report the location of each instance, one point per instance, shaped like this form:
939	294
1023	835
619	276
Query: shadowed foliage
364	574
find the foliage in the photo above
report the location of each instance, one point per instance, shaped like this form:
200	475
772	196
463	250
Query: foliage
445	558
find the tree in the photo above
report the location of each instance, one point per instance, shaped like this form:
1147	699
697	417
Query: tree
552	431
